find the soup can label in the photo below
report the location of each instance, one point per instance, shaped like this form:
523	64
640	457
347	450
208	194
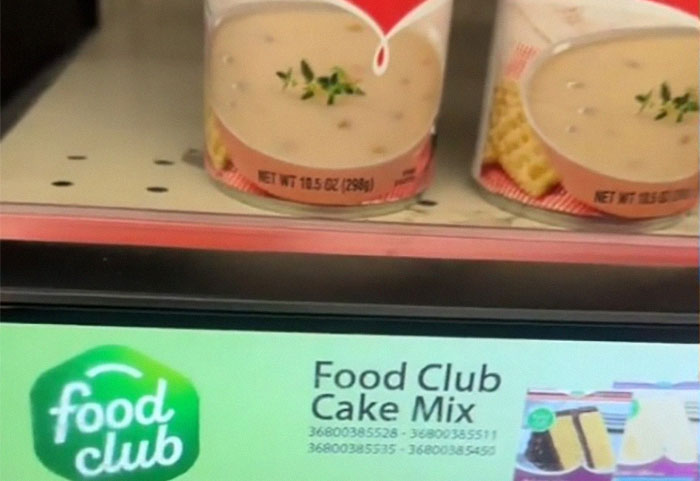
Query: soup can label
591	108
343	121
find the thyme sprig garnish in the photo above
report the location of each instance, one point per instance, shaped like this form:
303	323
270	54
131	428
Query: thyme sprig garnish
667	104
337	83
287	78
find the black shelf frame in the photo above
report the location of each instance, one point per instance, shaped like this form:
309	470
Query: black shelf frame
192	289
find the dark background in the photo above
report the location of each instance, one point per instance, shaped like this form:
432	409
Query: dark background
35	33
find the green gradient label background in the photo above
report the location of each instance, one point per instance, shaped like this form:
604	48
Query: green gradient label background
256	390
180	398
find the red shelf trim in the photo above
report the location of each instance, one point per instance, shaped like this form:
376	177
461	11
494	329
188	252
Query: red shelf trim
404	241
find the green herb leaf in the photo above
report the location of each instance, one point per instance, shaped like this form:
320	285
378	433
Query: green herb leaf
678	106
335	84
307	72
665	92
680	101
287	78
644	100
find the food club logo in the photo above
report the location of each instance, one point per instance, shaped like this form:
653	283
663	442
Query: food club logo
113	413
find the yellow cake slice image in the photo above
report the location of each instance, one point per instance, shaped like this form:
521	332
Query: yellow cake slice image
566	442
578	437
557	449
597	443
660	429
679	435
641	443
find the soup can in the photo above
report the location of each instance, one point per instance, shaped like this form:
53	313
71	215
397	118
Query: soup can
591	111
324	105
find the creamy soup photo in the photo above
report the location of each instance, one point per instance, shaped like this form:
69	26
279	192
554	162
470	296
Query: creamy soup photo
584	102
295	87
591	121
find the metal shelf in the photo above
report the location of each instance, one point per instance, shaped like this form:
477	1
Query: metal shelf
124	115
323	285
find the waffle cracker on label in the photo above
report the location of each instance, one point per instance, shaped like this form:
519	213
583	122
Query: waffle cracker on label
513	144
215	145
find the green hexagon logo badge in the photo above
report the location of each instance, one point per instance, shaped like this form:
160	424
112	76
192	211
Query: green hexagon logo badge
114	414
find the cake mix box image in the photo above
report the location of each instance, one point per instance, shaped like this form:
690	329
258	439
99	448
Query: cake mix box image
571	436
326	103
591	111
661	437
